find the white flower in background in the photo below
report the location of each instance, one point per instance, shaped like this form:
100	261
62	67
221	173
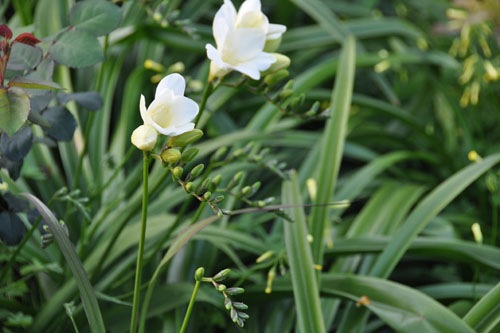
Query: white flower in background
170	113
241	38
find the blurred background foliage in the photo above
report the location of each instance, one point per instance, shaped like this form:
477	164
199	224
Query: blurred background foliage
424	107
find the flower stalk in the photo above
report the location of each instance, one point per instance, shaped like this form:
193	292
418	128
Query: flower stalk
140	254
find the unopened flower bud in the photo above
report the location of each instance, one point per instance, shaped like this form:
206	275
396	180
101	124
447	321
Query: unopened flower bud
222	275
197	170
199	274
219	153
282	62
189	154
184	139
272	44
245	190
171	155
177	172
153	65
235	291
144	137
216	180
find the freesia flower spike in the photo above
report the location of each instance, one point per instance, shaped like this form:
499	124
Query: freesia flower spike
170	113
241	38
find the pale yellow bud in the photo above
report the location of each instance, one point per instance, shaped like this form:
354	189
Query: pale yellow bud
144	137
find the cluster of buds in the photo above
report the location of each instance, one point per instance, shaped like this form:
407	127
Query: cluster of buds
472	21
276	261
236	309
194	182
285	99
47	238
235	186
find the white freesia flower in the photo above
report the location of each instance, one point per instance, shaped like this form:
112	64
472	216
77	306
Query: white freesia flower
240	38
170	113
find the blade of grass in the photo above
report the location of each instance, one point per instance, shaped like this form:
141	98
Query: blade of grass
427	209
89	300
324	16
333	143
403	308
305	286
485	315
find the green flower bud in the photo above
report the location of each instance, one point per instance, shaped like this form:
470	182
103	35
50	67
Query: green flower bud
221	287
219	153
240	306
242	315
207	183
237	177
177	172
189	187
171	155
207	195
234	291
272	44
222	275
227	303
189	154
274	78
256	186
177	67
199	274
216	180
218	199
282	62
245	190
185	138
197	170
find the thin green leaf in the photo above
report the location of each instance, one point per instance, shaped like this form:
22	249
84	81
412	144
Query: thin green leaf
333	143
427	209
403	308
305	286
485	315
89	300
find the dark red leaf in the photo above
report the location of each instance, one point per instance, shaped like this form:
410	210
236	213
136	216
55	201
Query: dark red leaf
27	38
5	31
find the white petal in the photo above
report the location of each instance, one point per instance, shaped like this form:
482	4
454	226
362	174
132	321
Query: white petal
184	110
214	55
242	45
223	21
143	109
253	68
177	130
173	82
275	30
249	6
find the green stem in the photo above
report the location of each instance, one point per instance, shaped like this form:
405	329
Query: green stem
190	307
140	254
204	98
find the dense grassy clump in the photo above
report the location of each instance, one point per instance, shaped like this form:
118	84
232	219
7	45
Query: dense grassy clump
357	191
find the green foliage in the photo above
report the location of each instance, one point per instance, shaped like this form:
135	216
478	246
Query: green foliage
14	109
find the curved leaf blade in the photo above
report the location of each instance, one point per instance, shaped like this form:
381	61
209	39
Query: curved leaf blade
89	300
